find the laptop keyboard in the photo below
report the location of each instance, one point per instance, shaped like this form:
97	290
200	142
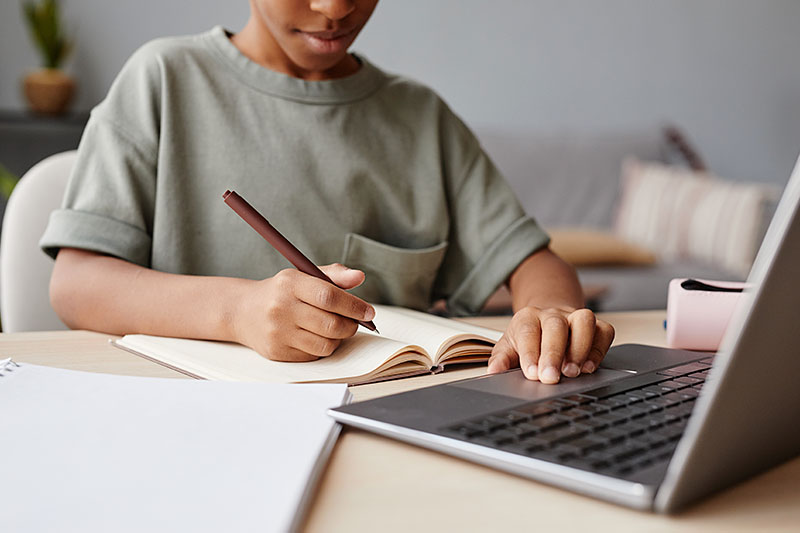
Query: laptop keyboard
615	430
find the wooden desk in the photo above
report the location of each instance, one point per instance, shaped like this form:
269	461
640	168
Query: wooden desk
374	483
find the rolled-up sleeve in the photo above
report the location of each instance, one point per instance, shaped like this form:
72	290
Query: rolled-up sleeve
109	201
490	235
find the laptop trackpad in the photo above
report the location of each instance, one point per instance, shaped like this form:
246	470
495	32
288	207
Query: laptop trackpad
622	361
516	385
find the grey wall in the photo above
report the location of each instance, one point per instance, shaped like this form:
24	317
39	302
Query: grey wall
727	71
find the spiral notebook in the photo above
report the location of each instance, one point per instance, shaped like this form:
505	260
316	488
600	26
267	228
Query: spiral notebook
97	452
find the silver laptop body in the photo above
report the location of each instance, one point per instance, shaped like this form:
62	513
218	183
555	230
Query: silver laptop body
743	421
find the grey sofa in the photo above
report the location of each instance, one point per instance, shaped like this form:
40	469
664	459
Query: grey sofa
572	180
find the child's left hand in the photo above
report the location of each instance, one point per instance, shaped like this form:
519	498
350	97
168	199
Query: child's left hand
546	343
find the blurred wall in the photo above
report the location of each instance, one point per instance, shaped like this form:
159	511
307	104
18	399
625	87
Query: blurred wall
727	71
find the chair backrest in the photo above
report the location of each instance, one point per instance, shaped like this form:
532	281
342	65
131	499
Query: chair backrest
24	269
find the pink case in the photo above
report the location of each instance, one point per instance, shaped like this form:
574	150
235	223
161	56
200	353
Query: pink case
696	319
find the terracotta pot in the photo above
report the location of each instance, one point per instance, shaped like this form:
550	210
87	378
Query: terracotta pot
48	91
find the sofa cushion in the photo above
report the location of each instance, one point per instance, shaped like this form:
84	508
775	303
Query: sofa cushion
681	214
589	247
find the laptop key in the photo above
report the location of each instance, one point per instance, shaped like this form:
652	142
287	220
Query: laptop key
655	390
612	402
649	440
502	437
578	399
549	422
535	410
583	445
627	412
524	429
683	369
632	428
558	404
559	435
640	410
650	408
611	418
594	408
690	393
623	386
627	450
632	399
641	394
685	409
660	402
563	453
594	424
655	455
689	380
576	413
610	435
673	398
492	422
674	432
673	384
514	417
663	434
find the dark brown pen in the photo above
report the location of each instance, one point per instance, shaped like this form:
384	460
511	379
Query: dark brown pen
279	242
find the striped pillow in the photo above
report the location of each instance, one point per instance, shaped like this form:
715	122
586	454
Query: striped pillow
682	214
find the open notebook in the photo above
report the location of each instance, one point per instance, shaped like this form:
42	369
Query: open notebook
410	343
97	452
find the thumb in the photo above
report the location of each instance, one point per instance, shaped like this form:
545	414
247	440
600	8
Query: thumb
504	357
346	278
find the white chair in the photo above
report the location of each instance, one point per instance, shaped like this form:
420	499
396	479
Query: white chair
24	269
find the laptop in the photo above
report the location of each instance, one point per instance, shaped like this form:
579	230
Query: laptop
654	428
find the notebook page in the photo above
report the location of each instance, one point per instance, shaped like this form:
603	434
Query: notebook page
95	452
356	357
445	323
426	330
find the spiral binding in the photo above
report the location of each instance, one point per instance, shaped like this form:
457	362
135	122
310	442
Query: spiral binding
7	366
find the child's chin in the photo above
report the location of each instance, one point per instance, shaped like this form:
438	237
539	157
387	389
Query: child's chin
321	63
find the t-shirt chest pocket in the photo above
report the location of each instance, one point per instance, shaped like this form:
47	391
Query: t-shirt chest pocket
396	276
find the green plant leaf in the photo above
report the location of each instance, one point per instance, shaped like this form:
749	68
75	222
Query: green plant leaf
44	22
7	182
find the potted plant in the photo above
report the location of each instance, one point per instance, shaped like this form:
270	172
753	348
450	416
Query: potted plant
49	89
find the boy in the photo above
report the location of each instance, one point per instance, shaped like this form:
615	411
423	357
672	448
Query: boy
352	164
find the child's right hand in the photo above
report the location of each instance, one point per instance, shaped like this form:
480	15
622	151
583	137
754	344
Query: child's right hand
296	317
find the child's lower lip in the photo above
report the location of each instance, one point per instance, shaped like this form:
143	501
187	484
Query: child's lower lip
327	46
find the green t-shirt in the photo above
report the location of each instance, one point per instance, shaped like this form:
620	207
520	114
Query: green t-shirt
372	170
